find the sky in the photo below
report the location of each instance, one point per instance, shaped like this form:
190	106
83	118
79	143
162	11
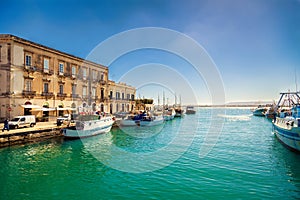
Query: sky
254	44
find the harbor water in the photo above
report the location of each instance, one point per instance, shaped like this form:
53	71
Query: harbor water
247	162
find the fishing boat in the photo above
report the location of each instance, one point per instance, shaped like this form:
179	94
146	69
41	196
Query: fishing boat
286	126
89	125
190	110
259	111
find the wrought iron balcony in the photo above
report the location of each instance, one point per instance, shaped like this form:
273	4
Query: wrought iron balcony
103	82
62	95
47	94
28	93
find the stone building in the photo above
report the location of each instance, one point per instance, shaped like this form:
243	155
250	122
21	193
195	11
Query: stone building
45	82
121	97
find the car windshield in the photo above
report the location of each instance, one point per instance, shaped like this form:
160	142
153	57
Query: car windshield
15	119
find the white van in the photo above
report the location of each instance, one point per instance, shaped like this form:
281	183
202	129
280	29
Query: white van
22	121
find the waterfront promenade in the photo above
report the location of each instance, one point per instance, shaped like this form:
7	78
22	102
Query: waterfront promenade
41	131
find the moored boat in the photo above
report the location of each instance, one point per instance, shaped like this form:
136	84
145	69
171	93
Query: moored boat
286	126
259	111
169	114
89	125
190	110
179	112
132	120
152	120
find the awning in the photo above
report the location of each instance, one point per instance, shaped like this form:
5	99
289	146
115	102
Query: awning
44	109
31	106
68	108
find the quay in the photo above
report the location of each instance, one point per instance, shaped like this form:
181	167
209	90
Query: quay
42	131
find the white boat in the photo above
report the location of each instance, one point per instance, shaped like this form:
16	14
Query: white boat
152	120
89	126
169	114
286	126
259	111
132	120
190	110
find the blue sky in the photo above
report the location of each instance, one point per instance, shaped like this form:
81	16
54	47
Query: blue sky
255	44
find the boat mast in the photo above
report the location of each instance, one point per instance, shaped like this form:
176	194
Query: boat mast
296	80
163	100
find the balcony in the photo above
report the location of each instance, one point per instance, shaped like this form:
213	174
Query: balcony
30	68
47	94
104	99
47	71
61	95
27	93
102	82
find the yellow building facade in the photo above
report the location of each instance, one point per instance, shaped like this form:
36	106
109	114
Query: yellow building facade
45	82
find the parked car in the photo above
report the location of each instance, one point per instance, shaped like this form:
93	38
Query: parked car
22	121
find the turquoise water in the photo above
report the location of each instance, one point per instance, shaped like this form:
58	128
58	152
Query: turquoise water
247	162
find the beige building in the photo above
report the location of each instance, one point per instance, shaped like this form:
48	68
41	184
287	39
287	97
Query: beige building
47	83
121	97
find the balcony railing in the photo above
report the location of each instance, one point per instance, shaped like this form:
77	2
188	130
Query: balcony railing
47	94
28	93
103	82
62	95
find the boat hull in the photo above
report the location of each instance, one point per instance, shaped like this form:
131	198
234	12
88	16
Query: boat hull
289	137
259	112
156	121
91	128
129	122
190	112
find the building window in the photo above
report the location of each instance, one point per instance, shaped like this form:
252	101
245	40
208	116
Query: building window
111	94
28	85
84	73
84	91
93	92
73	89
117	95
102	76
61	89
128	96
46	87
132	97
94	75
61	68
28	60
123	96
74	71
46	65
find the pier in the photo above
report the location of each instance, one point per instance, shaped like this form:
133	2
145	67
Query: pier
42	131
